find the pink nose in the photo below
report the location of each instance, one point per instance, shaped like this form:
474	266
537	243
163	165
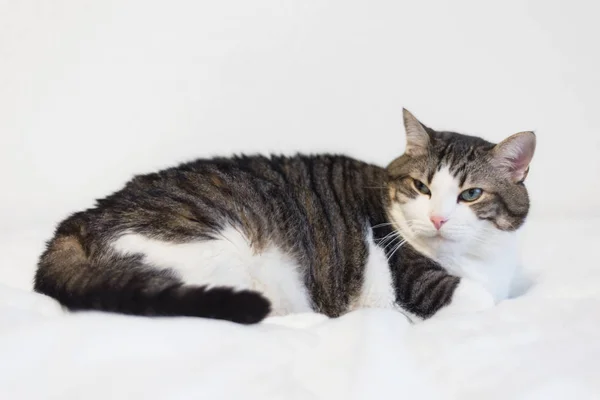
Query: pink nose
438	221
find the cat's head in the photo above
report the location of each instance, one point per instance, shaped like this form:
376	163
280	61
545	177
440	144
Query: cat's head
450	189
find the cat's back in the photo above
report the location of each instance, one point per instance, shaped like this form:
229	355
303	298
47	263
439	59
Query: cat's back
261	191
276	167
251	173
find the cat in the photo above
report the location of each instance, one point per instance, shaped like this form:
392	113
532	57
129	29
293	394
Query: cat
247	237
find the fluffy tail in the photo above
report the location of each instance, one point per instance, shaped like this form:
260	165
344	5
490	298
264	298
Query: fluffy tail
124	285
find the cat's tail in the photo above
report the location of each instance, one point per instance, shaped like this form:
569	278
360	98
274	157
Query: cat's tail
123	284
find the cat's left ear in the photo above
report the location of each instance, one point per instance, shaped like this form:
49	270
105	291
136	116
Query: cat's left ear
514	154
417	138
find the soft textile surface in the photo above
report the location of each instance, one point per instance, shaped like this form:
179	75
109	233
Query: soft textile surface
542	345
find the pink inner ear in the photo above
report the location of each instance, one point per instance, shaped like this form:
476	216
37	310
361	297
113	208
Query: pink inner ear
520	164
516	154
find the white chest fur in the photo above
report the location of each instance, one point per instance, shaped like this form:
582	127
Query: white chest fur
493	264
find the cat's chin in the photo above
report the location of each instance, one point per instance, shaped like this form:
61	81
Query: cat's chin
437	244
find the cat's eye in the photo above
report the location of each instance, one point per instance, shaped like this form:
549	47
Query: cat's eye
470	194
421	187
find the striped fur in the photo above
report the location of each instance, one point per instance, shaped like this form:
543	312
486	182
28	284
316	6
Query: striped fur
320	211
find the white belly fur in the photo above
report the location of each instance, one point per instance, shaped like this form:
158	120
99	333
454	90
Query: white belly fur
227	261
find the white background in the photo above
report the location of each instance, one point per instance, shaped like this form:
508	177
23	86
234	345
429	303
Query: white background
92	92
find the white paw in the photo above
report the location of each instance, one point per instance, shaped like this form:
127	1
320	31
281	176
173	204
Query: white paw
469	297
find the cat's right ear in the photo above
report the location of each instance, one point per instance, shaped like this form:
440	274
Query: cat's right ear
417	138
513	155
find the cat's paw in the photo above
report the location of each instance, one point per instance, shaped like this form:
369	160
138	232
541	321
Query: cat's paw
469	297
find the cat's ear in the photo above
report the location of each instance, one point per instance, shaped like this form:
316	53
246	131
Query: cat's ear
417	138
514	154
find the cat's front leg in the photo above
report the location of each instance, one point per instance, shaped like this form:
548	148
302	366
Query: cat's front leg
425	289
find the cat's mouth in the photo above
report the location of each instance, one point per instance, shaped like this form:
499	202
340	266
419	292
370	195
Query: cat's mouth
440	237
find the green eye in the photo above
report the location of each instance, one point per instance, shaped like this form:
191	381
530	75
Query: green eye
420	186
470	194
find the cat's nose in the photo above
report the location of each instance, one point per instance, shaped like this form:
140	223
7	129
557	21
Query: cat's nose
437	221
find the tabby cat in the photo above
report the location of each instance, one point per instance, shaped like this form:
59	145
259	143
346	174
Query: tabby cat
246	237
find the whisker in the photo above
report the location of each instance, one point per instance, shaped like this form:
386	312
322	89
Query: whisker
392	241
389	239
389	234
396	249
384	224
385	238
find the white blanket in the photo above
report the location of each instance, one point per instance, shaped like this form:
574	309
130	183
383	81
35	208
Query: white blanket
543	345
